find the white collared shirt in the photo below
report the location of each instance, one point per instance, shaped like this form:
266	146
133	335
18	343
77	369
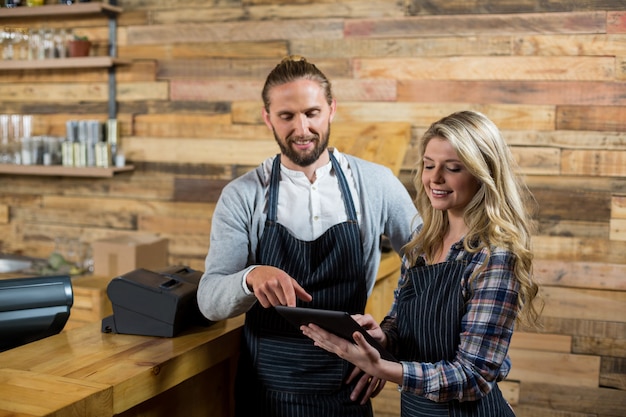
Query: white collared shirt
309	209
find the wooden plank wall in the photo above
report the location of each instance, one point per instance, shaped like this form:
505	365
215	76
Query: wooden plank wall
552	75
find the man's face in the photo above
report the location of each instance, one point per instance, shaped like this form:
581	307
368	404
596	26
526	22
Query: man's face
300	118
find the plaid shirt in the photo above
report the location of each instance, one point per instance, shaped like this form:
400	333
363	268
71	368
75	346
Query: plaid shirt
486	329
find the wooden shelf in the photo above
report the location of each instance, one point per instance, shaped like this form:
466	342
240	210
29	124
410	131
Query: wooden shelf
65	171
57	12
60	63
60	10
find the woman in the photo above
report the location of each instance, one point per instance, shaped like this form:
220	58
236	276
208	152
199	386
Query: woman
466	279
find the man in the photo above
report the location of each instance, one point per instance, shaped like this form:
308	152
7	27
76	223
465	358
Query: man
303	228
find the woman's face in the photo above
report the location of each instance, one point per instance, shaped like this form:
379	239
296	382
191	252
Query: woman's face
448	183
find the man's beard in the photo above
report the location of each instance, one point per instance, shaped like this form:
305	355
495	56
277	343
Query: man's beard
304	159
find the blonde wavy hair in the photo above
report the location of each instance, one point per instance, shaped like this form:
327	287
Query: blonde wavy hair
497	215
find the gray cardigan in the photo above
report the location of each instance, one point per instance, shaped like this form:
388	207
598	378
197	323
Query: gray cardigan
239	219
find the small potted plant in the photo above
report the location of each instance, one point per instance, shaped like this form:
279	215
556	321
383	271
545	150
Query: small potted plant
79	46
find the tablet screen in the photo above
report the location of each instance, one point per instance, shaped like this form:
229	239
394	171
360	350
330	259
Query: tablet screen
337	322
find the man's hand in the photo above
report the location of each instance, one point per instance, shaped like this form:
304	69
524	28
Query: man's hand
273	286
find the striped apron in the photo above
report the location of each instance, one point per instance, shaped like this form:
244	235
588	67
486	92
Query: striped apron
280	372
430	311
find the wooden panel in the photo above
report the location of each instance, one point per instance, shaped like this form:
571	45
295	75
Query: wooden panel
592	184
532	411
618	207
256	69
596	163
616	22
140	5
606	118
518	6
199	12
583	22
588	45
618	229
326	9
592	275
398	47
179	125
130	205
55	93
236	31
570	139
597	401
612	373
581	327
600	346
275	50
559	368
198	189
543	342
538	161
72	217
364	90
138	186
188	245
166	224
572	228
4	214
578	249
584	304
523	92
556	204
489	68
215	126
214	151
620	68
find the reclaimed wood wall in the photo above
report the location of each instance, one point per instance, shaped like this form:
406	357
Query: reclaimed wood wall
552	75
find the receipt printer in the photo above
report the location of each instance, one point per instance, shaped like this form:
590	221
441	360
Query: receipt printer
154	303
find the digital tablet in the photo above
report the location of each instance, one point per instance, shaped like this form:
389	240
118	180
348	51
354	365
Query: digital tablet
336	322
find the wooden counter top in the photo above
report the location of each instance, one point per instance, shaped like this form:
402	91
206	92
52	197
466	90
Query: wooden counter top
86	372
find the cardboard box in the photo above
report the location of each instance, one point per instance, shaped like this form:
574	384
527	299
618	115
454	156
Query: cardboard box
118	255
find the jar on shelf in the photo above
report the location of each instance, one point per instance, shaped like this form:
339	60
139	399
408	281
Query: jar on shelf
12	3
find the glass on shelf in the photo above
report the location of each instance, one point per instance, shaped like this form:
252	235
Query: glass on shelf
7	36
12	3
16	144
35	44
6	149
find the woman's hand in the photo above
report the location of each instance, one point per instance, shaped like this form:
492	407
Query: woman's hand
360	353
373	328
